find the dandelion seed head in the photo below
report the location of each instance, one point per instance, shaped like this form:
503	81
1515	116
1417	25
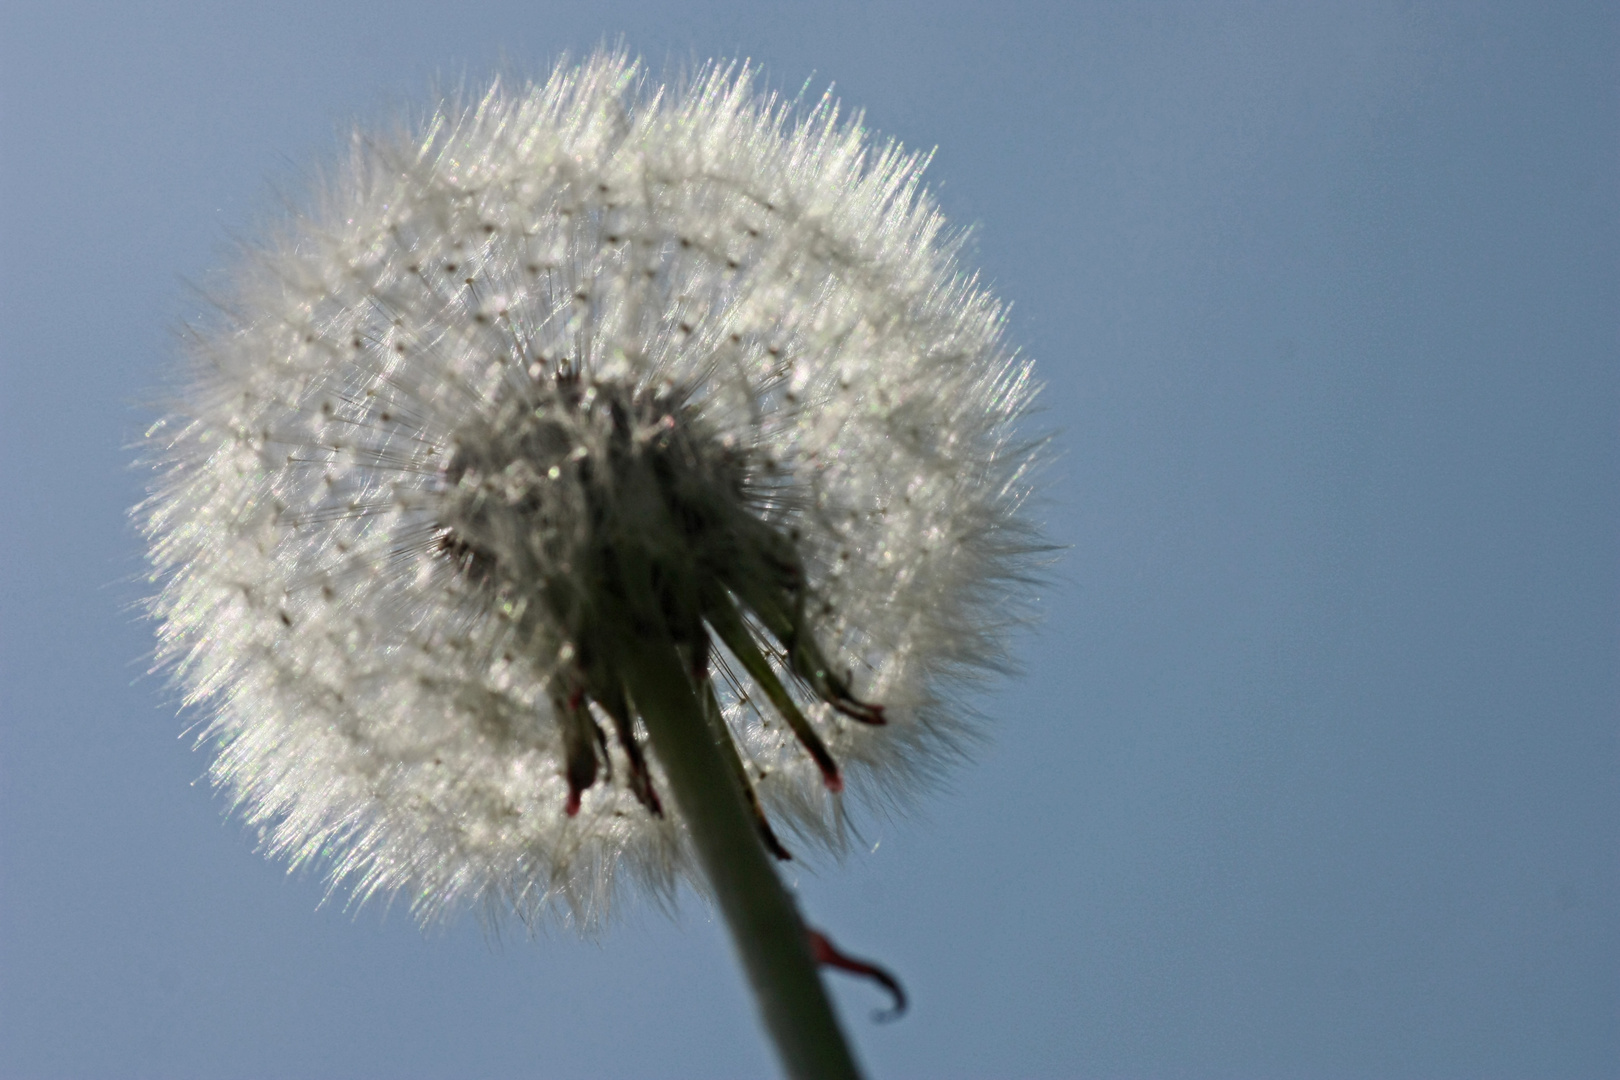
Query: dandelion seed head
572	342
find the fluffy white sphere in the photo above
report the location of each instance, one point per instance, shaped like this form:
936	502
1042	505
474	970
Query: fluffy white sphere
505	355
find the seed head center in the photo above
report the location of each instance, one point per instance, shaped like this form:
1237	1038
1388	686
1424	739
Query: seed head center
611	519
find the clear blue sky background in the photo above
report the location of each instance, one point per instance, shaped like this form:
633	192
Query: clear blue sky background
1314	769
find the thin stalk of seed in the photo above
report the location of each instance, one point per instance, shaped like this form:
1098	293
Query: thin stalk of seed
727	623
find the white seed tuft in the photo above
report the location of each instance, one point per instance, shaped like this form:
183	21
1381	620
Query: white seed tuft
585	338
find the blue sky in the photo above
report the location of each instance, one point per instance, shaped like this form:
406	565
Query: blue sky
1314	766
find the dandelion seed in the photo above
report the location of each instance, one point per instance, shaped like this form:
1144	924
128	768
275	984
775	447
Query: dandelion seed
583	370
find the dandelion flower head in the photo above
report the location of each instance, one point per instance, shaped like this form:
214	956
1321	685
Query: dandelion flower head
518	380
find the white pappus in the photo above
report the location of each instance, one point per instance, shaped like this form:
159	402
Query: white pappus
577	355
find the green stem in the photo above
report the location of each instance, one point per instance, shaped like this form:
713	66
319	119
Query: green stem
764	923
